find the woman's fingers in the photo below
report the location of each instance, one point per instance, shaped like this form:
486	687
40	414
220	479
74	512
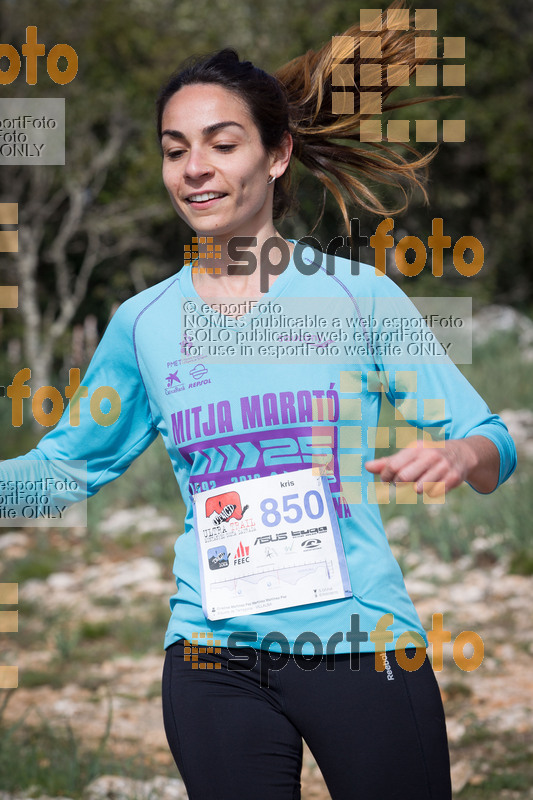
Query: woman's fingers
436	473
375	465
419	465
399	467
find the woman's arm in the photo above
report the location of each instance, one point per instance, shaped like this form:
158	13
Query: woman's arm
475	460
88	448
462	439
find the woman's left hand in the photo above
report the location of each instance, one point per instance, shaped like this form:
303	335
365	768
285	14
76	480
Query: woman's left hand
475	459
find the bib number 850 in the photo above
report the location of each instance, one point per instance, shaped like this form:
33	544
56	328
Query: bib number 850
292	511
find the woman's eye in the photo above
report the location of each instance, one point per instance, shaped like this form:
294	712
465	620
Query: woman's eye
173	154
225	148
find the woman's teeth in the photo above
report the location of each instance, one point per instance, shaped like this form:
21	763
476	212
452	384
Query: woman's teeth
201	198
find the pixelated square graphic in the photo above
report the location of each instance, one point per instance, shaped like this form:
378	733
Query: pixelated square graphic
9	621
9	593
322	409
370	47
378	436
342	103
406	437
352	492
433	492
434	409
426	75
9	677
405	408
370	103
207	270
322	438
434	437
322	465
377	381
453	130
342	75
426	47
398	75
191	251
405	380
9	213
370	74
9	241
342	500
203	247
350	465
426	130
378	493
341	46
350	382
398	130
454	46
370	19
350	436
350	408
202	643
370	130
406	493
426	19
453	75
398	19
9	296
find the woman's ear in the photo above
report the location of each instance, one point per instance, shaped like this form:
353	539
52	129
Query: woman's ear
281	156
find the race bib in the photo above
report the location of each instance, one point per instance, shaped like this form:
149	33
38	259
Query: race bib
269	543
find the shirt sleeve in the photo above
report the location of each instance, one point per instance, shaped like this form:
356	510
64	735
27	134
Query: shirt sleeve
432	394
114	424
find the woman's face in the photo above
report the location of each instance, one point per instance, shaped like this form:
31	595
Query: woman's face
215	167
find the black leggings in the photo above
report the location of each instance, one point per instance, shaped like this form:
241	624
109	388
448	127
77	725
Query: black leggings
236	734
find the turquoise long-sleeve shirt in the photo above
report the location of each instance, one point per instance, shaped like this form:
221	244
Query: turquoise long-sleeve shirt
227	416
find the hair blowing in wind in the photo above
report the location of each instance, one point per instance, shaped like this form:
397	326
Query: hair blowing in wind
328	144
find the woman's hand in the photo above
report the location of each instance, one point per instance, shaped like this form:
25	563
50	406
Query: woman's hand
475	459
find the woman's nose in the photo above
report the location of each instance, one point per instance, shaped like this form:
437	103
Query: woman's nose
197	164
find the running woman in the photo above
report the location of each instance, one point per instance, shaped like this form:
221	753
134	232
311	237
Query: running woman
283	571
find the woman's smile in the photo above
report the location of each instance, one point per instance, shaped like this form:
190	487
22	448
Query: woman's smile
204	200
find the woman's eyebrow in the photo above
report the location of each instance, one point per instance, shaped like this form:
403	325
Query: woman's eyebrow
207	131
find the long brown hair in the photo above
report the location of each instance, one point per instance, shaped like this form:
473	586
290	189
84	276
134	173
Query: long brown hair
298	99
